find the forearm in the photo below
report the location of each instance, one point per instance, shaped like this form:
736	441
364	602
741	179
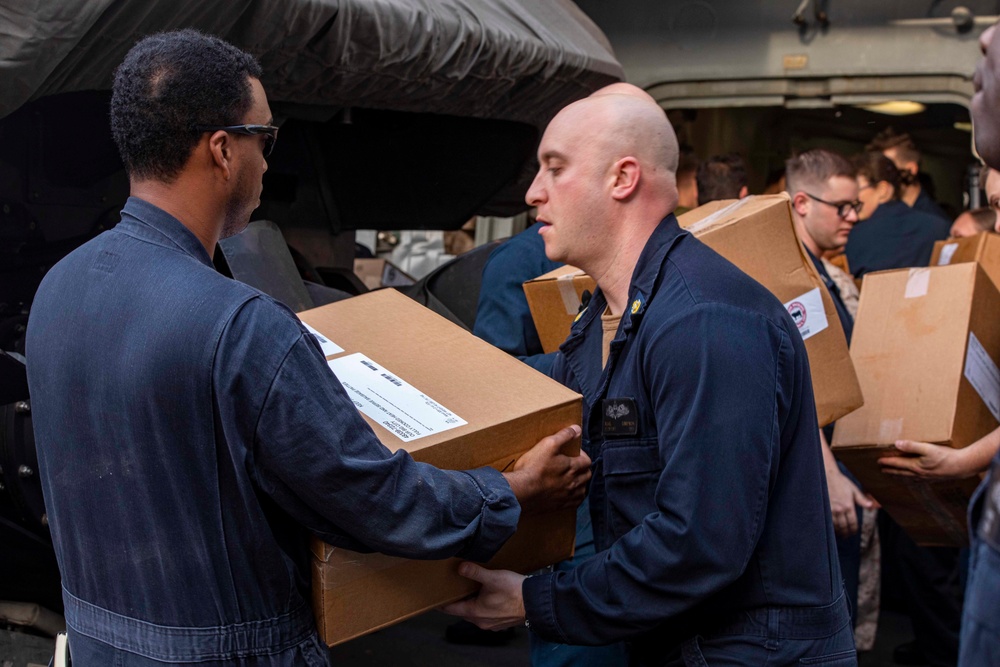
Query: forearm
977	456
829	461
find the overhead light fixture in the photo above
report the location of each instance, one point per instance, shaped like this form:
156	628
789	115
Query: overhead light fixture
895	107
963	127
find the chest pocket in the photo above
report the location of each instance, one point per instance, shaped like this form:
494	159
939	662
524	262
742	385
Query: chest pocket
631	473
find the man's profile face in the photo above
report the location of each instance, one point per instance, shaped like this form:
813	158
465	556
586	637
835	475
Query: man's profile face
986	100
992	188
822	222
901	164
964	225
567	189
249	165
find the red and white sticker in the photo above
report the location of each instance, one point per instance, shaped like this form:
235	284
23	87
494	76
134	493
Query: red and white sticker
807	313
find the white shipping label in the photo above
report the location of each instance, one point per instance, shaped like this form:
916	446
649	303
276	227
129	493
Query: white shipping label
983	374
947	252
399	407
329	347
807	313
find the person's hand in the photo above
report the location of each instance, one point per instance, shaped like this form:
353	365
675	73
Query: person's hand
544	479
844	495
499	603
923	460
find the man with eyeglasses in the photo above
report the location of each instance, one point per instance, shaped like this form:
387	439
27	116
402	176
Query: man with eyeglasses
190	435
825	206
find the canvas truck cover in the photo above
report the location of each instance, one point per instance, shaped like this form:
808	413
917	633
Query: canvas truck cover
519	60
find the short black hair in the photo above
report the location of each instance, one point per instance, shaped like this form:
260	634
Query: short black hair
721	177
169	83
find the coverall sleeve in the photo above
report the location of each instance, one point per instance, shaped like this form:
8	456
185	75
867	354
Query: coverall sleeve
315	456
714	380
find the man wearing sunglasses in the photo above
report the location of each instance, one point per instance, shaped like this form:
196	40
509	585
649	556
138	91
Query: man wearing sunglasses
190	435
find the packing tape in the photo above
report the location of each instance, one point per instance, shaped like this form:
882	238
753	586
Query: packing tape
917	283
890	430
947	252
567	290
709	220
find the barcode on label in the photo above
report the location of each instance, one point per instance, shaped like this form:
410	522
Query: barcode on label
369	364
394	380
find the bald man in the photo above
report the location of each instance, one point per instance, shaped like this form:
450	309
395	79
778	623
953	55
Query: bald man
713	544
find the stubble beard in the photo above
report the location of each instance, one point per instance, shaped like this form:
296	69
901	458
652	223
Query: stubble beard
239	208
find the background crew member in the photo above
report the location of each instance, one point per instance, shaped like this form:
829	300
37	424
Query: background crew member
890	234
678	440
722	177
825	207
503	318
900	148
972	222
190	434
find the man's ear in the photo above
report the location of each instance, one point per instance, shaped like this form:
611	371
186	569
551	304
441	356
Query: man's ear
800	203
220	149
626	173
912	167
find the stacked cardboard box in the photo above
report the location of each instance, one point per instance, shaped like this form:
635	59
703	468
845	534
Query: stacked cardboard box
757	235
926	342
484	408
983	248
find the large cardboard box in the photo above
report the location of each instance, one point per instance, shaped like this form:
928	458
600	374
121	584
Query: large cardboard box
757	235
555	299
926	342
983	248
484	408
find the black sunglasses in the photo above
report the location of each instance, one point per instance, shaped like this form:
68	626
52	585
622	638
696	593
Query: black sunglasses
270	132
842	207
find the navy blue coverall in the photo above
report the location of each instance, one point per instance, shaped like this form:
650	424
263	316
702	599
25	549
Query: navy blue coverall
980	639
708	500
191	438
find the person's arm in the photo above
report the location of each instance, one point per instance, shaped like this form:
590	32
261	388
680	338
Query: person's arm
314	455
844	494
924	460
679	553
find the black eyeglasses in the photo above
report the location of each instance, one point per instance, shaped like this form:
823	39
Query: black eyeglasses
270	132
842	207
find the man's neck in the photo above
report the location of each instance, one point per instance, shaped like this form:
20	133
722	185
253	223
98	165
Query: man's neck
172	198
909	193
614	274
806	239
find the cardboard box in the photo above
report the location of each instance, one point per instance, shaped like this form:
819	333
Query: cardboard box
377	272
508	407
983	248
757	235
554	300
926	342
